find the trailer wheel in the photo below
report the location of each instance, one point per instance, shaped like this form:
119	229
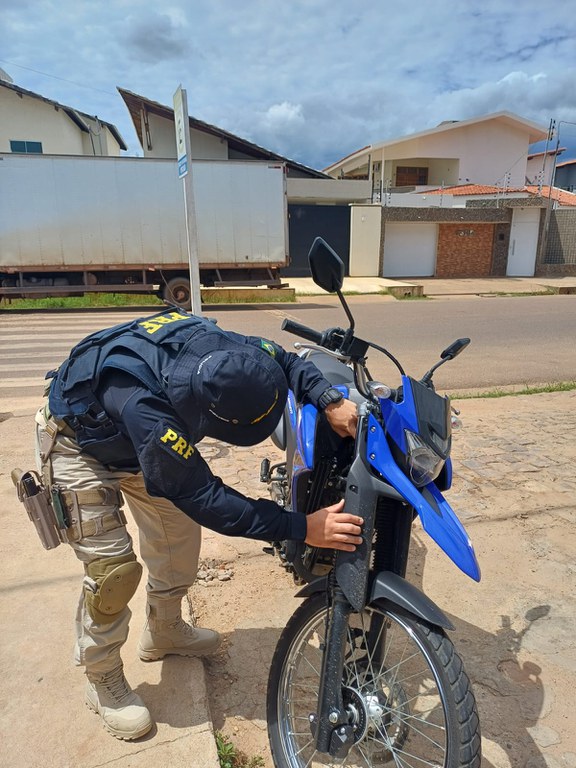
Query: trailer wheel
177	291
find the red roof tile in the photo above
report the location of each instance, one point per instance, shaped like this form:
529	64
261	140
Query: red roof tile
559	195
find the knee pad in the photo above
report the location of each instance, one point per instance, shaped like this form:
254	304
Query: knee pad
115	580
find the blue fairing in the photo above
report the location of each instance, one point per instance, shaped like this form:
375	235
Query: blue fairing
438	518
306	433
400	416
291	405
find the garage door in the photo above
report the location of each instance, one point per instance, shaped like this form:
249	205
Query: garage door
409	249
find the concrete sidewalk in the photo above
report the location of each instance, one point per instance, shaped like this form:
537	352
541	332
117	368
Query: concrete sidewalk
430	286
44	722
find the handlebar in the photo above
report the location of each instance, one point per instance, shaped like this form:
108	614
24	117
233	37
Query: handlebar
317	337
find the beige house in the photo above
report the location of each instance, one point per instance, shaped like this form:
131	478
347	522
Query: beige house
492	149
453	202
31	123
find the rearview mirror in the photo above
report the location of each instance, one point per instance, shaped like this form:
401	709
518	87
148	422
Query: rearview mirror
454	349
326	266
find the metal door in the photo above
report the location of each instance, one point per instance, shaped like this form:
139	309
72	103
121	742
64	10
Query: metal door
306	222
523	242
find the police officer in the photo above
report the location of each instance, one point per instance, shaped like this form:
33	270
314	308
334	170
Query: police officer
124	414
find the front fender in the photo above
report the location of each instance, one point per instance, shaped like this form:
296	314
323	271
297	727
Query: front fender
396	590
389	586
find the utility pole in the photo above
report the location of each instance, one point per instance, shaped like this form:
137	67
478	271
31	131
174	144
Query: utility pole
548	212
548	140
184	157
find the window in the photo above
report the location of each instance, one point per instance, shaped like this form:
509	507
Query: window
26	147
407	176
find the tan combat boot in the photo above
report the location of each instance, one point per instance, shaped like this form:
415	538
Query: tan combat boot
123	712
167	633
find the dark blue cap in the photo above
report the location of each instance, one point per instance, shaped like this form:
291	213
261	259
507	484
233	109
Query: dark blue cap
241	390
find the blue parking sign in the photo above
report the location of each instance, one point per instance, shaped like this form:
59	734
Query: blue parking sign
182	166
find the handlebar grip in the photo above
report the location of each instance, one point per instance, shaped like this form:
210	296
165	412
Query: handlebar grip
303	331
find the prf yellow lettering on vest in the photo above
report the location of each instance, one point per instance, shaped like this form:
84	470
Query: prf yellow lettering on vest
151	326
181	446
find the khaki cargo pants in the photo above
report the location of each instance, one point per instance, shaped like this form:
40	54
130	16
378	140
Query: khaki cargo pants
169	541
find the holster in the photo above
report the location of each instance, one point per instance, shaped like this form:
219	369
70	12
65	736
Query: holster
39	505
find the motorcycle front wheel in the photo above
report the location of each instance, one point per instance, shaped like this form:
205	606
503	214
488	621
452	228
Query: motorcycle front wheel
404	688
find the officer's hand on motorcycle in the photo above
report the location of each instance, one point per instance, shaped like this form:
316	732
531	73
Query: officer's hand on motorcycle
331	528
343	417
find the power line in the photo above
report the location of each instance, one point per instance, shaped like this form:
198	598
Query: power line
55	77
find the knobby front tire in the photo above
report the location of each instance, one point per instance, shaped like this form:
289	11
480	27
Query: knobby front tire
404	686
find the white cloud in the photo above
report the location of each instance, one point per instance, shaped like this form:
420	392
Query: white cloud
538	97
312	79
283	115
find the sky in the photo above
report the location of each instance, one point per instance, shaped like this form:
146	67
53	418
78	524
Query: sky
313	80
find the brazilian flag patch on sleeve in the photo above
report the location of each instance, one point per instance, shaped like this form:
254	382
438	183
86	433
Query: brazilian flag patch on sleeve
268	347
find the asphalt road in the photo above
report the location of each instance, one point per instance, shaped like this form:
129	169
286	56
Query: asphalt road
517	340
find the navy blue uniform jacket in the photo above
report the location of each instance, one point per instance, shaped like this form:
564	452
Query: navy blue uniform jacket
160	440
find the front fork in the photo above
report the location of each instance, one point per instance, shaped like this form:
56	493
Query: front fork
331	728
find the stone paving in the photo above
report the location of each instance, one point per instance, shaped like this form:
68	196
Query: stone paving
514	489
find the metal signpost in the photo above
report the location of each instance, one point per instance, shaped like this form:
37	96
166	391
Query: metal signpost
185	173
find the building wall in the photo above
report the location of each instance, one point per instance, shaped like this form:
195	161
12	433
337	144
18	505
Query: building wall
500	249
365	236
566	177
28	119
24	118
537	172
307	190
100	141
464	250
560	256
203	146
489	150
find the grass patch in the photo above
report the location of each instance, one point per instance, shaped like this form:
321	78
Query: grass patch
559	386
82	302
266	297
96	300
232	757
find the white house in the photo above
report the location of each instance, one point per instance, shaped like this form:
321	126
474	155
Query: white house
432	214
492	149
31	123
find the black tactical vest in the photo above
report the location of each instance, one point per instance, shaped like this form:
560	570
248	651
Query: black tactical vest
147	349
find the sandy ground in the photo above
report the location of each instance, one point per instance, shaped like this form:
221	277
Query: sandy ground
514	490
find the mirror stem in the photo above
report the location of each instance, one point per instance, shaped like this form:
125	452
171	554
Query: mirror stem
346	308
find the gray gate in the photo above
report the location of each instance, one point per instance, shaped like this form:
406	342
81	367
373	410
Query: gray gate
306	222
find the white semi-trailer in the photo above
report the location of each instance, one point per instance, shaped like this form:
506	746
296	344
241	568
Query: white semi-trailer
69	225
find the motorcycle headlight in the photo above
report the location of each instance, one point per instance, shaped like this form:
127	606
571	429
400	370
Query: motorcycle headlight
424	464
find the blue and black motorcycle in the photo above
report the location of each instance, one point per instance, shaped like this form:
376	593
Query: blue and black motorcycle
364	673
